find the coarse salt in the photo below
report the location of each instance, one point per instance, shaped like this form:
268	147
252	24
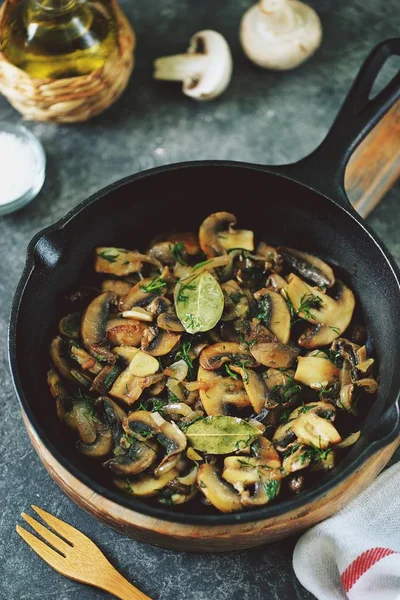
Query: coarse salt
18	167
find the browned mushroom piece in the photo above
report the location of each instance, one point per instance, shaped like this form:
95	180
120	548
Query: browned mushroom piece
217	235
104	380
181	489
158	342
125	332
356	357
253	332
274	354
216	392
60	357
296	458
100	447
308	266
85	360
121	288
70	326
146	485
274	313
93	328
254	387
236	304
85	419
272	257
120	262
349	393
317	372
170	322
174	442
62	398
138	457
219	493
141	294
216	355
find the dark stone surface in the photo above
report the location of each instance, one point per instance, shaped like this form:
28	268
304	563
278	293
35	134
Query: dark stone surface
263	117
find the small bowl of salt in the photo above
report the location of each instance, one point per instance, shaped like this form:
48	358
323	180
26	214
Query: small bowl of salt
22	167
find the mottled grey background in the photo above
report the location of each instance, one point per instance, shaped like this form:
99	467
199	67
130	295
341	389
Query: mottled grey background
263	117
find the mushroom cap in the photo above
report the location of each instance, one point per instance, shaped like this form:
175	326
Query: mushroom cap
280	50
215	79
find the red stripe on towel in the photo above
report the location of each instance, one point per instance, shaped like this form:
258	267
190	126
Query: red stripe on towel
361	564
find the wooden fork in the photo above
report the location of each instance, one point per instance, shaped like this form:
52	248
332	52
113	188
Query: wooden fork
76	556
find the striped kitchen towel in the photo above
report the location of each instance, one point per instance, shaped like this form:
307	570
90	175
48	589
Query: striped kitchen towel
356	553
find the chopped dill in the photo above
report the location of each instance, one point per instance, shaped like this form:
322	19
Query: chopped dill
230	372
155	285
178	252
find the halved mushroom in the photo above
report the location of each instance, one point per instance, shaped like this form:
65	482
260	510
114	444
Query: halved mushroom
216	235
254	386
158	342
217	391
217	491
274	354
308	266
274	313
93	328
70	325
146	486
125	332
85	360
138	457
120	262
121	288
205	70
101	447
214	356
316	371
104	381
236	304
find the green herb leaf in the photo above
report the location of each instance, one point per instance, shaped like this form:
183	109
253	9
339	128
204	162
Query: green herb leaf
184	354
271	488
178	252
231	373
156	285
221	435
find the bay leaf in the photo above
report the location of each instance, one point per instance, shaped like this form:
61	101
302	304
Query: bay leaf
221	435
199	302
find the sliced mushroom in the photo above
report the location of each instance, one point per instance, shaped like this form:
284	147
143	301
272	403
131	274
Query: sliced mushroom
356	357
146	486
254	386
188	239
125	332
274	313
297	459
349	393
214	356
138	457
276	282
85	360
330	317
274	354
253	332
313	430
217	491
271	255
70	326
104	381
121	288
82	378
62	398
141	425
84	417
101	447
112	416
217	235
181	489
120	262
129	388
236	304
284	437
163	252
217	391
139	314
308	266
138	296
58	355
173	441
170	322
205	70
93	328
265	490
158	342
316	371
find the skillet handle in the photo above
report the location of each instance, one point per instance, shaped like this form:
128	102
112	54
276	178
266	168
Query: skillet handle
324	169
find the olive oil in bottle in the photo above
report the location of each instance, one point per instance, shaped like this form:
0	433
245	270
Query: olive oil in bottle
59	38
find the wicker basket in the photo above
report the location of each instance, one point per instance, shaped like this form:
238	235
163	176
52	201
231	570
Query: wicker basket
73	99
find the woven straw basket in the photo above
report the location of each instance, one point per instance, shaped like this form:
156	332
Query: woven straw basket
73	99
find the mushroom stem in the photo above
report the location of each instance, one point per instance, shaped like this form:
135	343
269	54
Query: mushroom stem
279	16
180	67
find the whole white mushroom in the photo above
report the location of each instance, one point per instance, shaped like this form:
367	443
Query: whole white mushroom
280	34
205	69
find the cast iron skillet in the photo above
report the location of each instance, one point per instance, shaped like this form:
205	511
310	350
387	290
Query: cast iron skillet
302	205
